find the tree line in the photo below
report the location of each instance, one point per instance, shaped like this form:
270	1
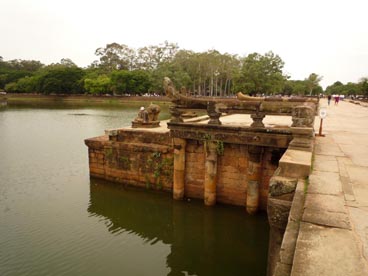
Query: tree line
122	70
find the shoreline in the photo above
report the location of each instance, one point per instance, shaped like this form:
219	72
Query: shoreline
22	98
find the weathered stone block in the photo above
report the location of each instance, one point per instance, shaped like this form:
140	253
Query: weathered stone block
278	212
282	185
282	269
295	163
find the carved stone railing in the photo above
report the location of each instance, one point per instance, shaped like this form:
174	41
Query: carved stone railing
302	110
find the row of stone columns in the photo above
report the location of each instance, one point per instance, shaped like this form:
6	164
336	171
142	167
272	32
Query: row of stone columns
254	173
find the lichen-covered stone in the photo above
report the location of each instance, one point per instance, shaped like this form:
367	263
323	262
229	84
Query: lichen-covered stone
282	185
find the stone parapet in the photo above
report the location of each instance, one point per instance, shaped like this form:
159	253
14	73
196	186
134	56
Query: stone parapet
296	163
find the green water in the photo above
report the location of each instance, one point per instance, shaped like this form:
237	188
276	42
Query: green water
55	220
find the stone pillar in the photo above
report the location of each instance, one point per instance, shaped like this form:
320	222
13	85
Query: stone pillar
175	114
210	174
254	175
303	138
213	114
257	119
179	168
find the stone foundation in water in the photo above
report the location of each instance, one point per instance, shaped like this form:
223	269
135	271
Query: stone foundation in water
219	164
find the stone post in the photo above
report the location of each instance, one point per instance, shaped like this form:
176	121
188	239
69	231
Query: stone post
175	114
210	174
254	175
179	168
213	114
257	119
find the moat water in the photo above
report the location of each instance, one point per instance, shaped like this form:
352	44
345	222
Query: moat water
55	220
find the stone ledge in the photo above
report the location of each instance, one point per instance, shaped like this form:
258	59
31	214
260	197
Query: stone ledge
287	250
295	163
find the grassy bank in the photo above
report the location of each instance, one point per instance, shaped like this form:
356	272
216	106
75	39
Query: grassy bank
83	100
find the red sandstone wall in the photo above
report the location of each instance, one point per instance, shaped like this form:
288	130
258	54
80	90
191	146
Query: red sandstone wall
150	166
194	169
231	175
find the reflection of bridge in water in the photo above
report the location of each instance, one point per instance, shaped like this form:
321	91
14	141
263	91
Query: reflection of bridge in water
204	241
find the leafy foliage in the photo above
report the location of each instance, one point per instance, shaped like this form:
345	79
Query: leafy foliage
124	70
61	79
261	74
99	85
130	82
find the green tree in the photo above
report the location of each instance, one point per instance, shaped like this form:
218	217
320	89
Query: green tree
150	57
60	79
13	70
336	88
295	87
351	89
130	82
27	84
98	85
261	74
313	82
364	86
116	57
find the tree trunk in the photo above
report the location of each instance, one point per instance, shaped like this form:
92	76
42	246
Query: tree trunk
221	91
211	85
225	87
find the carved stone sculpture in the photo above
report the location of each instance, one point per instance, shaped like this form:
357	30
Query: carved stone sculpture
147	118
302	116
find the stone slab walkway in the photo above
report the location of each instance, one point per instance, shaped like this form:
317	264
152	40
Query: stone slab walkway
333	237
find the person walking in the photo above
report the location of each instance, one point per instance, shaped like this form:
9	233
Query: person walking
329	99
337	98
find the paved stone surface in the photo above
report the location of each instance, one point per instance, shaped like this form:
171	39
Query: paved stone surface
325	183
326	252
333	237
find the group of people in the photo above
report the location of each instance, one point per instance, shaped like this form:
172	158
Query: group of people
336	99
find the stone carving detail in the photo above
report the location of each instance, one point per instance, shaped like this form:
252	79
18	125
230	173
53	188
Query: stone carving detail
147	117
175	114
170	90
302	116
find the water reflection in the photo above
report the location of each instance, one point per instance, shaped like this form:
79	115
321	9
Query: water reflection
204	241
3	103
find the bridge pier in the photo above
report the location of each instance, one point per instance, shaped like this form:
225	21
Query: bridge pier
210	175
179	168
254	176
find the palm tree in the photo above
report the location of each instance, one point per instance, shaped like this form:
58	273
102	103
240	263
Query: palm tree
312	82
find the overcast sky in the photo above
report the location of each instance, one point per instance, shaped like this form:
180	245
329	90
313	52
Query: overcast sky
329	38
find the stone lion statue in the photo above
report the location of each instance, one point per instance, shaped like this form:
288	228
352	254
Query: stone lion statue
153	111
149	114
